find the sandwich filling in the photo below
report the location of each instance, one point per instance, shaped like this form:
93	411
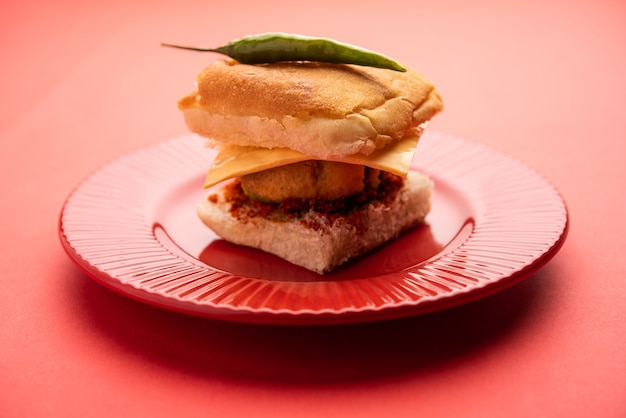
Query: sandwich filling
315	199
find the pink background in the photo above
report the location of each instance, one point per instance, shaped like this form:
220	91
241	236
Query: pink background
84	82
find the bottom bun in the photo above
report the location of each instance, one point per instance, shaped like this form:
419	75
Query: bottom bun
329	243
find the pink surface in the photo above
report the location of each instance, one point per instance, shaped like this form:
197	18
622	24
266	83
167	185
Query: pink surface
543	82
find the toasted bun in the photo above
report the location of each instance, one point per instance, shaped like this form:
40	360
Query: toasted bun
322	249
322	110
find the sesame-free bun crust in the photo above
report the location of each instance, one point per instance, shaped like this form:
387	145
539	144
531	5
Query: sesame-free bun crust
319	109
324	248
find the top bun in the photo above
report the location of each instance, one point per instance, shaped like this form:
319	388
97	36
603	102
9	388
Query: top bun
321	110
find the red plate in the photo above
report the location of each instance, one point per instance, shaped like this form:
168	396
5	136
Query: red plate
132	226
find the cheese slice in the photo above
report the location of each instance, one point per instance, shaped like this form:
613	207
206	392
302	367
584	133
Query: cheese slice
235	161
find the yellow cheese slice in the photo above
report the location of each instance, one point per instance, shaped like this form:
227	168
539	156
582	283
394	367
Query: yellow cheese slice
235	161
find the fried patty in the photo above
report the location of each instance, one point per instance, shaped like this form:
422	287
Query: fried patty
312	179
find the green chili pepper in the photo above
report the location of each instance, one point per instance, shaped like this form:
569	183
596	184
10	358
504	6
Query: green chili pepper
275	47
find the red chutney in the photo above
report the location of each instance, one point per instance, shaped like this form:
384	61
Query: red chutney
326	212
